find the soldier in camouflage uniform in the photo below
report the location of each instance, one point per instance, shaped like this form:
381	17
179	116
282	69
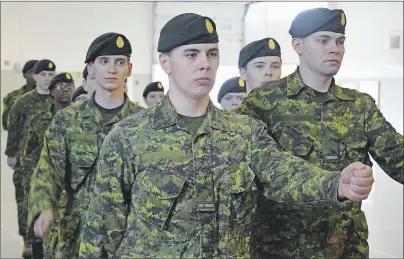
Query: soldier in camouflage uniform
26	106
310	116
61	88
72	141
232	93
8	101
175	181
86	90
153	94
260	62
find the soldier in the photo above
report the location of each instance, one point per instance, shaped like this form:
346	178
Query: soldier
175	181
61	88
72	141
232	93
260	62
153	93
310	116
8	101
86	90
26	106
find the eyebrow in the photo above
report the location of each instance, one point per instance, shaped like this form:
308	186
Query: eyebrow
197	50
328	37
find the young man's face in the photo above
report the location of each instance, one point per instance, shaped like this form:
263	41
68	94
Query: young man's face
231	101
62	92
153	98
110	72
261	70
193	68
322	52
43	79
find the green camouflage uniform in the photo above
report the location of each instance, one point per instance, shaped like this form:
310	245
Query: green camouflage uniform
9	100
23	109
32	151
330	130
67	162
163	192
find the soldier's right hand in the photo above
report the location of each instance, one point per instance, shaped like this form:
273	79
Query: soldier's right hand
12	162
356	182
42	224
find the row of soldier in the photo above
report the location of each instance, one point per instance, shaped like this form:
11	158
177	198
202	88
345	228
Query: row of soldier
104	177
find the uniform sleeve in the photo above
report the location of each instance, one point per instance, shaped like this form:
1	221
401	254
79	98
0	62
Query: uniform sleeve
47	181
286	178
6	110
31	145
109	207
16	119
385	143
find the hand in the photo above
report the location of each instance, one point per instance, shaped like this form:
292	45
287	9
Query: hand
42	224
356	182
12	162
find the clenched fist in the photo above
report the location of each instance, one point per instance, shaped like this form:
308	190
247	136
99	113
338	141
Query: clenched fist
42	224
356	182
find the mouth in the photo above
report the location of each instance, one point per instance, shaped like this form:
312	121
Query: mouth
110	79
202	81
333	61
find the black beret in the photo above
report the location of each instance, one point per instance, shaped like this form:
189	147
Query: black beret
30	64
153	87
85	73
318	19
260	48
44	65
186	29
232	85
77	92
110	43
60	78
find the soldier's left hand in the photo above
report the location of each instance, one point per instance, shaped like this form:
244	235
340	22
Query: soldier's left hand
356	182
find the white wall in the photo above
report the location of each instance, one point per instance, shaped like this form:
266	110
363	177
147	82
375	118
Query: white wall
63	31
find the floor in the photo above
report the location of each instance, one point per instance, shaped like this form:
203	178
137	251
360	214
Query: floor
384	212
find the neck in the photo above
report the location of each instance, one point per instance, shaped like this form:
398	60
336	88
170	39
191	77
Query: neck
109	99
58	106
248	88
187	106
30	86
40	90
318	82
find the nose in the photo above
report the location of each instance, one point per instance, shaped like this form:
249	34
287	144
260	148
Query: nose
204	62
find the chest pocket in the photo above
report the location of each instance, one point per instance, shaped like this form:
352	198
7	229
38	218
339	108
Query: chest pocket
354	146
238	181
83	156
291	136
154	196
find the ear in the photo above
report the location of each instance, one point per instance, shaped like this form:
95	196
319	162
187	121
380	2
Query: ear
297	45
243	74
130	66
90	68
35	77
165	63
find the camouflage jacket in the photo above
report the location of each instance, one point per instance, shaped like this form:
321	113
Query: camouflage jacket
21	112
37	126
67	162
9	100
163	193
330	130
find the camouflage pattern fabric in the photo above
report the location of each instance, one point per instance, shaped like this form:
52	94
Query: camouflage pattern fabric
67	163
9	100
330	130
19	198
21	112
162	192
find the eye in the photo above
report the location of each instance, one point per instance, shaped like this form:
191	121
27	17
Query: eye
259	66
191	55
212	54
121	62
